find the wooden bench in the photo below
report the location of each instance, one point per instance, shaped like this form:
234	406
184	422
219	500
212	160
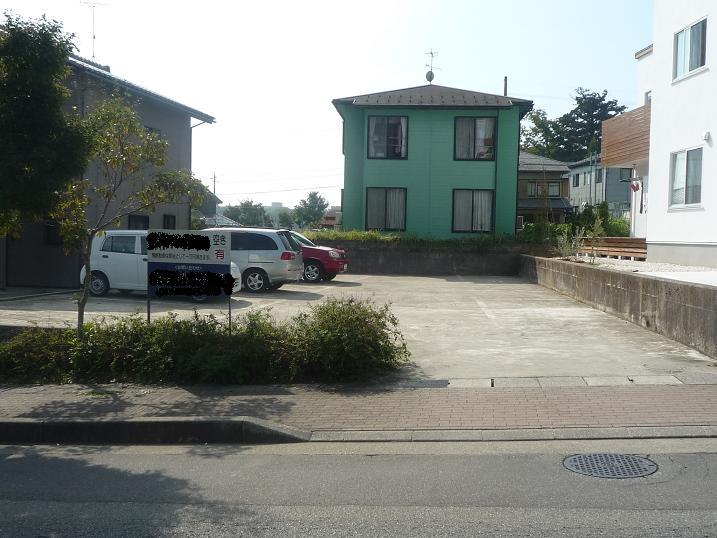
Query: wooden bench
633	248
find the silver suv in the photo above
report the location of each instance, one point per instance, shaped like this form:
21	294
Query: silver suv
266	258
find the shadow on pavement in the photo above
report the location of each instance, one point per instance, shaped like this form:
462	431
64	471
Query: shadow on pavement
71	495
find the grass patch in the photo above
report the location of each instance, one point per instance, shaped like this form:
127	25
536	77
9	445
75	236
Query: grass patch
336	340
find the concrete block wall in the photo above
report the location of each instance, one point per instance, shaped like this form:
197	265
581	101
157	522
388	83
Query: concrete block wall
379	258
681	311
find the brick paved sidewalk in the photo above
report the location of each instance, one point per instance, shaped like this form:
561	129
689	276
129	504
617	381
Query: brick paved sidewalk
311	409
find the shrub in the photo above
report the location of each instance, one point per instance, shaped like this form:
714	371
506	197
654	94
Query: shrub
336	340
345	339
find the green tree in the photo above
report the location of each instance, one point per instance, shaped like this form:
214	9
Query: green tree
41	147
247	213
285	218
310	209
128	158
573	135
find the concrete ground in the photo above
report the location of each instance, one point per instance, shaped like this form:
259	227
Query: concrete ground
474	331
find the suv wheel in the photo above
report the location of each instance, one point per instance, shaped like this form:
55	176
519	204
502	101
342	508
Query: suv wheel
99	285
313	271
256	281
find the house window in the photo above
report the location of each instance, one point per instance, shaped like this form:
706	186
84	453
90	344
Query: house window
169	222
472	210
686	177
387	137
474	139
576	180
690	49
154	131
554	189
532	189
598	175
625	175
586	178
385	209
52	233
138	222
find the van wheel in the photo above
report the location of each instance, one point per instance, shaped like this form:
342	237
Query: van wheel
256	281
313	271
99	285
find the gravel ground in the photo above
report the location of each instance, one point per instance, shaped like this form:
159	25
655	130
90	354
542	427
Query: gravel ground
632	266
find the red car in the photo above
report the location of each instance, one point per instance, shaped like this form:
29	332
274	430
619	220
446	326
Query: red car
321	263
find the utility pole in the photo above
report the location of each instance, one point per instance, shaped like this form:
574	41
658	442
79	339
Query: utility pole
214	192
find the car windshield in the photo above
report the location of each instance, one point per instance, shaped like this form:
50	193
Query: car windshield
303	240
292	241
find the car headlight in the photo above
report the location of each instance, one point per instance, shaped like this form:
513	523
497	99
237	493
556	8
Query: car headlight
334	254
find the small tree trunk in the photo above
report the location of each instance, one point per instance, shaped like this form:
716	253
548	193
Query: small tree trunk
85	251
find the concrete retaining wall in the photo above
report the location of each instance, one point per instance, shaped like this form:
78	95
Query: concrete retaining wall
381	258
681	311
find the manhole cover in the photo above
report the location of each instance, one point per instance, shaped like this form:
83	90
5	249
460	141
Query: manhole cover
610	465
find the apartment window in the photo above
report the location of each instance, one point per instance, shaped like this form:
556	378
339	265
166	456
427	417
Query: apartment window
686	177
472	210
474	139
586	178
387	137
576	180
138	222
386	209
169	222
598	175
690	49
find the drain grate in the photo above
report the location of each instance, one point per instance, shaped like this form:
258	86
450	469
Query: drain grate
610	465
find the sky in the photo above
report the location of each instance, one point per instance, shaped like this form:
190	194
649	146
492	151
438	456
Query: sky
269	70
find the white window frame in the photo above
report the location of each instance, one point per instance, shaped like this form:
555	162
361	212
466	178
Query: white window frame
688	72
683	205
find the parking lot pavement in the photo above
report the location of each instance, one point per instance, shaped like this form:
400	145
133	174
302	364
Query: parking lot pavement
473	330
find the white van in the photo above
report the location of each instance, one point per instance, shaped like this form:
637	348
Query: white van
119	261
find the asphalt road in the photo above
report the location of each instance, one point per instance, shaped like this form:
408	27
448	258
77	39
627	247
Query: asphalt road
322	489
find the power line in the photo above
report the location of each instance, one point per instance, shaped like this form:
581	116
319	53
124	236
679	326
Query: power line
282	190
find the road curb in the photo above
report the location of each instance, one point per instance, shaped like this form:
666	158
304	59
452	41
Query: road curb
35	295
543	434
154	430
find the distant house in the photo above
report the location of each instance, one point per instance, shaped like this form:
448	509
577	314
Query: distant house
431	160
90	82
591	184
331	218
542	189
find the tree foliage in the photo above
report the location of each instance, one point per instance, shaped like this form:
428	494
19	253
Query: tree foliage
574	135
129	160
41	147
247	213
286	220
310	209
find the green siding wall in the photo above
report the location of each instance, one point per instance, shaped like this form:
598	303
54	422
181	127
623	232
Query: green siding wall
429	173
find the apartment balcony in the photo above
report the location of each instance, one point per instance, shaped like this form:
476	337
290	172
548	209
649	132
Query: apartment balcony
626	139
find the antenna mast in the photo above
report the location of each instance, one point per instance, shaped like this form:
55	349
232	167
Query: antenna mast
429	74
93	5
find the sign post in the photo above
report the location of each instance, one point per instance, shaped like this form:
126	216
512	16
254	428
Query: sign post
192	263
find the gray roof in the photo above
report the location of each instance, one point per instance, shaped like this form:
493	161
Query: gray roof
102	73
219	221
432	95
585	161
528	162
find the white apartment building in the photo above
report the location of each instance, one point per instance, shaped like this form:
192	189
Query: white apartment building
675	168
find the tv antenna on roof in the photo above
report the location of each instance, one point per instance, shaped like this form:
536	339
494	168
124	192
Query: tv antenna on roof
429	76
93	5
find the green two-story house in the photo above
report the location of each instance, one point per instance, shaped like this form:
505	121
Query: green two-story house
431	160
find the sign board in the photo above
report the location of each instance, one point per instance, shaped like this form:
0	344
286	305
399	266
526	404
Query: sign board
189	262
